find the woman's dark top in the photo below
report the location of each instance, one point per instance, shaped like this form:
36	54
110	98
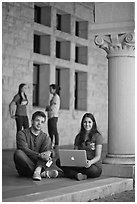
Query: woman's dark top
90	146
21	109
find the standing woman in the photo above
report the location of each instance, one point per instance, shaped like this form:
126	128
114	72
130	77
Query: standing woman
53	110
91	140
20	115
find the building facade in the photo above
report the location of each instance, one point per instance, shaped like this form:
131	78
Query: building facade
50	42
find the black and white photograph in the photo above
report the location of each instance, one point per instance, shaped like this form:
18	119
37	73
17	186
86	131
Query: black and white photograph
68	101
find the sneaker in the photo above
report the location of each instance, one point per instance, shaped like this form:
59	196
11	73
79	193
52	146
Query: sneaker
36	176
50	174
81	176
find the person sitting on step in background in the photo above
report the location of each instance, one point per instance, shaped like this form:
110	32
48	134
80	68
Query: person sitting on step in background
88	139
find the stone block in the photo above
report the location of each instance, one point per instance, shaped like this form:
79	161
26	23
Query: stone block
68	7
26	12
119	170
87	15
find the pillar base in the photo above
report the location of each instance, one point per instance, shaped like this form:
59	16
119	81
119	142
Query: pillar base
119	170
119	159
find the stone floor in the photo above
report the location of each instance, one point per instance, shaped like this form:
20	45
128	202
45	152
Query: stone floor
126	196
15	188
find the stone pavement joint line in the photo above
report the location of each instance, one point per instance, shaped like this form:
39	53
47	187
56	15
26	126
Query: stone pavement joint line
81	192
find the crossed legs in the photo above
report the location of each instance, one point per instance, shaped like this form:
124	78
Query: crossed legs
71	172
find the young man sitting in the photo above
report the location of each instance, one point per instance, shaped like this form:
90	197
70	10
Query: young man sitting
34	154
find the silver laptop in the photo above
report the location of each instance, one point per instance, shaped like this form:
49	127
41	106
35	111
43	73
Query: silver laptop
71	157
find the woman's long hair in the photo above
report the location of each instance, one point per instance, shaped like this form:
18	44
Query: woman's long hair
56	87
83	131
19	92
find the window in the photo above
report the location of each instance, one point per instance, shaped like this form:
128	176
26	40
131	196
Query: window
76	91
36	43
63	49
37	14
35	85
77	29
80	102
57	49
81	29
63	81
81	54
58	77
42	44
63	22
42	14
41	84
76	54
58	22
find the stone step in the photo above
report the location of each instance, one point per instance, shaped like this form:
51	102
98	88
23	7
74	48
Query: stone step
81	192
119	170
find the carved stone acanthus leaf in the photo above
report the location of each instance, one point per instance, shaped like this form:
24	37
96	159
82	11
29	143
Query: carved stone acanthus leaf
113	43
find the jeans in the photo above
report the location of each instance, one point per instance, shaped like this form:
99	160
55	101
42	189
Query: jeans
52	129
24	165
92	172
22	121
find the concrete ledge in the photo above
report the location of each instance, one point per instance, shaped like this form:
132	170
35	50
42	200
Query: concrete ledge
81	192
119	170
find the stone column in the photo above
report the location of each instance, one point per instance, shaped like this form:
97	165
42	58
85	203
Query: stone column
121	97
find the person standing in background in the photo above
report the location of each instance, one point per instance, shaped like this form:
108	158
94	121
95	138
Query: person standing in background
53	110
20	101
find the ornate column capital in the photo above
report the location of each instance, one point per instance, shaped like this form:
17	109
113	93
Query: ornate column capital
117	44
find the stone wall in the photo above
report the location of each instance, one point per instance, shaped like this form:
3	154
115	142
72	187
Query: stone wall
17	41
18	56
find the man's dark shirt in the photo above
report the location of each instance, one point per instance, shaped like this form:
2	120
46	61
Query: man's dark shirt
31	144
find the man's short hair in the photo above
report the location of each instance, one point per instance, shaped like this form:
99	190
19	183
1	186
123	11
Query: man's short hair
38	113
